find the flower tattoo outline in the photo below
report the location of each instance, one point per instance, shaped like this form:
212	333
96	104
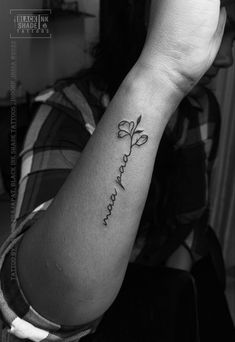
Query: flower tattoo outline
136	139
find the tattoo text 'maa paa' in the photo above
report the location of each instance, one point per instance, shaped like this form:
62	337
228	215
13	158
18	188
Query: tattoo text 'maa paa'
130	130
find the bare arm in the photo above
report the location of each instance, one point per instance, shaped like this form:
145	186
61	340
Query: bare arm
72	262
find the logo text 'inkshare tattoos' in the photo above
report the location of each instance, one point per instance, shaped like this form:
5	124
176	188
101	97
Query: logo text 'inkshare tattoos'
30	23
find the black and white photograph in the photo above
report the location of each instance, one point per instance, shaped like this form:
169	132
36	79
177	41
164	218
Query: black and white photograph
117	170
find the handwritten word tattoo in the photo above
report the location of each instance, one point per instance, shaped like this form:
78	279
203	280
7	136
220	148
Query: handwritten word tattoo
126	129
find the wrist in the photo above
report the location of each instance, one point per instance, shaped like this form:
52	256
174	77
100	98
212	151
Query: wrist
155	88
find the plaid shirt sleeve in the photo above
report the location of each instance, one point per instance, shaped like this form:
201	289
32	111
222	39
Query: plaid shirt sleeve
56	137
53	144
194	133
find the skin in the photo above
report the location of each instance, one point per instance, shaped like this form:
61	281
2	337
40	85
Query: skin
70	265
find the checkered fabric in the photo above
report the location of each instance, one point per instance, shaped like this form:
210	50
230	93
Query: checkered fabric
179	193
58	133
194	135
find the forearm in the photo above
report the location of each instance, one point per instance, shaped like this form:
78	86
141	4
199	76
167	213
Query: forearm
71	264
86	236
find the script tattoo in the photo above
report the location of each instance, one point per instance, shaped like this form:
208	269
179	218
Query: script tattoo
130	130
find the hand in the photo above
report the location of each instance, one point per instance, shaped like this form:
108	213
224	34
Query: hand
183	39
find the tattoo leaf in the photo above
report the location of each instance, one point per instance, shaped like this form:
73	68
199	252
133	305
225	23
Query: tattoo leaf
142	140
122	134
138	120
138	132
